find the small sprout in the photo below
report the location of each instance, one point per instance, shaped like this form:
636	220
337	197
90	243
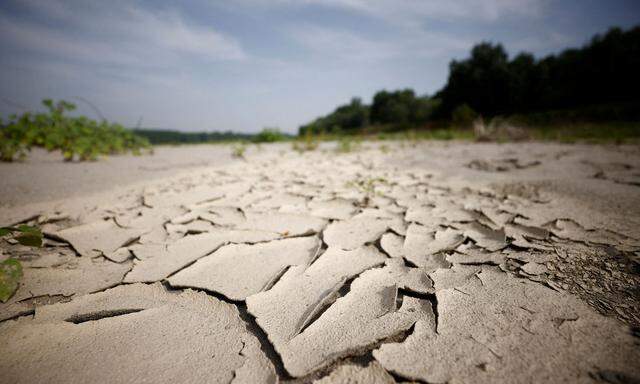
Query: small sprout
347	145
296	146
238	150
308	143
412	138
367	186
344	145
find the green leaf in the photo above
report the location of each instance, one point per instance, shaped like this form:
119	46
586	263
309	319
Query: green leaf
10	275
4	231
28	229
30	239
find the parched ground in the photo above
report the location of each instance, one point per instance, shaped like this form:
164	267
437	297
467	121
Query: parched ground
427	262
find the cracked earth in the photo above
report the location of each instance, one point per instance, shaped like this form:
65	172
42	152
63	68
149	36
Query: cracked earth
428	263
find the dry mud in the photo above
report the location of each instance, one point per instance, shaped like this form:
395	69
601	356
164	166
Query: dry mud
427	262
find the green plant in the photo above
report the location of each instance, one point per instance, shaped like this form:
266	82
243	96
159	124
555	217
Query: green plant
308	143
238	150
463	116
11	269
269	135
367	186
10	275
412	138
24	234
347	144
78	138
442	134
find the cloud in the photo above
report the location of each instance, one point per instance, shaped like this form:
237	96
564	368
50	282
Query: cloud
547	42
411	12
333	43
409	33
114	33
327	43
128	59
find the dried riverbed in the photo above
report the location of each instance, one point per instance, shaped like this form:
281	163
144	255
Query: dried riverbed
432	262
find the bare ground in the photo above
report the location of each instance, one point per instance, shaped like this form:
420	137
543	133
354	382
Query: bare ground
433	262
43	176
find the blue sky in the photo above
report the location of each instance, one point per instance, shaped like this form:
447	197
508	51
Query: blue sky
247	64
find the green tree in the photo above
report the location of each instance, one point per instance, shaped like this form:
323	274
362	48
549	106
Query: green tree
348	118
602	72
463	116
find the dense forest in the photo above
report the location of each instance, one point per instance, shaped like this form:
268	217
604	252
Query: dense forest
599	81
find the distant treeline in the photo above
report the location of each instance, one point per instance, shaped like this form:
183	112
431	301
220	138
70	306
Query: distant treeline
600	81
165	136
161	136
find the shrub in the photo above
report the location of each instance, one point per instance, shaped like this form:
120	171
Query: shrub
238	150
346	145
308	143
463	116
78	138
269	135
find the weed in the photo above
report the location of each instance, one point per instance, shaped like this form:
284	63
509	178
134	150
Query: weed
76	137
238	150
269	135
346	144
308	143
412	138
367	186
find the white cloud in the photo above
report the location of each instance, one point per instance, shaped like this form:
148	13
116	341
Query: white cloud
410	37
346	45
332	43
116	33
547	42
128	60
410	12
169	31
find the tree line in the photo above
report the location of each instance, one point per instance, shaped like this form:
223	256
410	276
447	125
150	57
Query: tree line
597	81
162	136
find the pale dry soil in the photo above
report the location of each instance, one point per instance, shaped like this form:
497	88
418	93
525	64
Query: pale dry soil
427	262
43	176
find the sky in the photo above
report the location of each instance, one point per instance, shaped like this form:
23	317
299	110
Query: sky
243	65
